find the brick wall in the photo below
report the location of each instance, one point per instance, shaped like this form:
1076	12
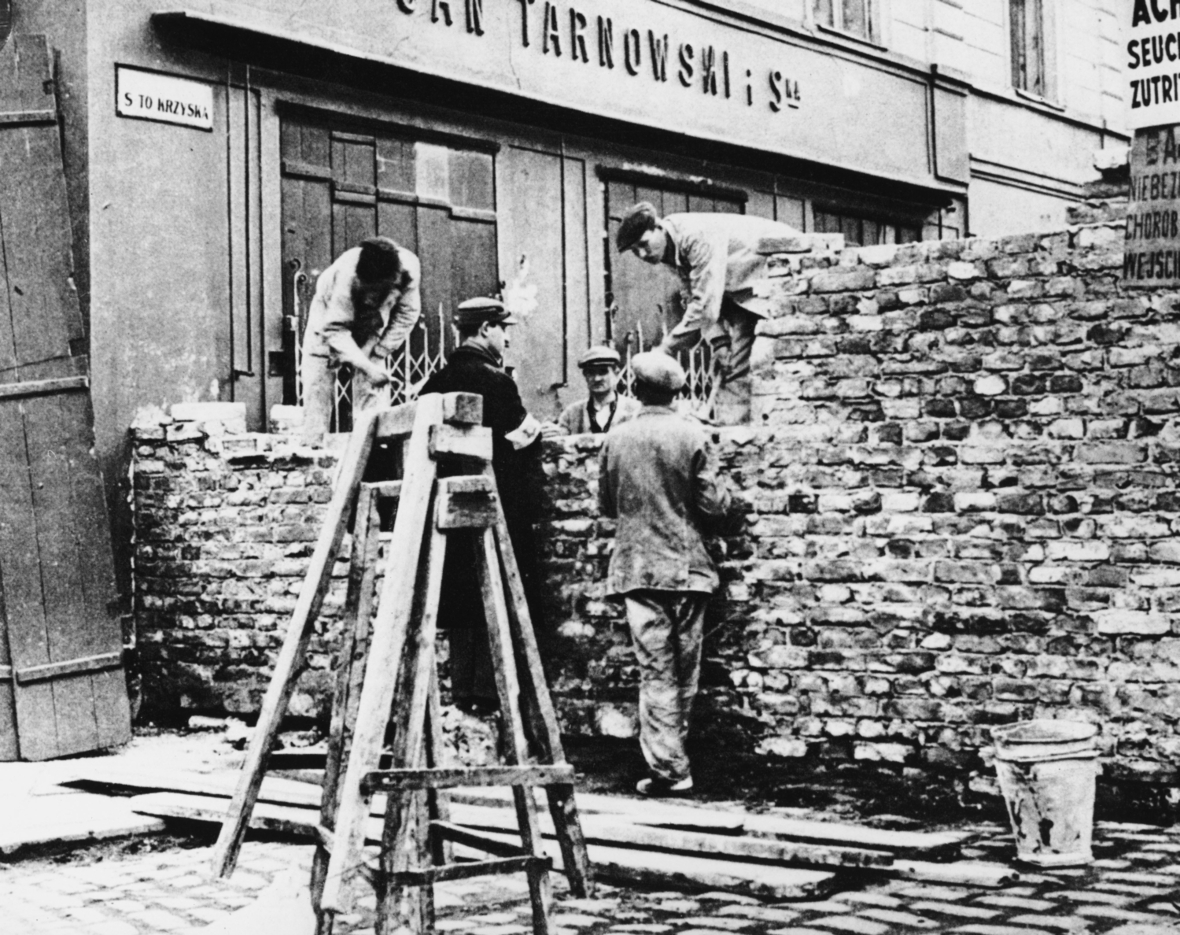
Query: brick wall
961	505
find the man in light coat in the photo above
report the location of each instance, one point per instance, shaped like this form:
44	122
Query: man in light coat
659	481
365	305
723	277
604	407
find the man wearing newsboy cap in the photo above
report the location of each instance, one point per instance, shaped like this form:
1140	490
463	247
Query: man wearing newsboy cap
477	366
604	407
658	480
723	280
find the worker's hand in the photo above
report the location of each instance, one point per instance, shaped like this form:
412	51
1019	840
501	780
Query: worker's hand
551	430
665	347
377	375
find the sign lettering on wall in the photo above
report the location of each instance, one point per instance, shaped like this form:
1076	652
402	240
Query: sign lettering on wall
650	63
1151	253
152	96
1153	63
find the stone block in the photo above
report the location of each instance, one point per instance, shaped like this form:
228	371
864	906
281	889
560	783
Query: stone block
1122	621
837	279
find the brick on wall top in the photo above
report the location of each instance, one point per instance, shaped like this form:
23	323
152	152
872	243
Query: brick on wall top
225	413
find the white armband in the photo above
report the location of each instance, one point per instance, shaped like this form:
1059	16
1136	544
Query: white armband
524	434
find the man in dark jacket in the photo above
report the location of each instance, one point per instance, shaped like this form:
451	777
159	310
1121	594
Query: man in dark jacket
657	478
477	366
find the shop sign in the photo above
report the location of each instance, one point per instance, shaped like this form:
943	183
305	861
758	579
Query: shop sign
667	65
149	95
1153	63
1151	252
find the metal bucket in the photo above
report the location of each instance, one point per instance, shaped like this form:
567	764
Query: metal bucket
1047	773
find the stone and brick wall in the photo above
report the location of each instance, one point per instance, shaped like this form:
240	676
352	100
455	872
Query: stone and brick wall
961	507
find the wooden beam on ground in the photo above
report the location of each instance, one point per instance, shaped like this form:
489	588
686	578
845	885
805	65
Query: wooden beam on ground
401	780
616	832
929	845
958	873
698	874
465	871
283	819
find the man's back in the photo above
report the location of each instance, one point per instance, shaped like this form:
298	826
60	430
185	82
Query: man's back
657	479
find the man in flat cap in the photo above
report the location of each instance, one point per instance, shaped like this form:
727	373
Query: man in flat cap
604	407
477	366
722	274
656	477
364	307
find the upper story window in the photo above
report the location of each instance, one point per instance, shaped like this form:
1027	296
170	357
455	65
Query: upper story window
851	16
1026	25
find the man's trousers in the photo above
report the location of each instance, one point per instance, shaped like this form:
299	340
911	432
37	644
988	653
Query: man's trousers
319	397
666	627
733	396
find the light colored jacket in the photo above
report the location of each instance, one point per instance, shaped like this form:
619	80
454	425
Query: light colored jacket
657	479
716	255
332	315
575	418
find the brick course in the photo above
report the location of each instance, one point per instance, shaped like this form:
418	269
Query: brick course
961	512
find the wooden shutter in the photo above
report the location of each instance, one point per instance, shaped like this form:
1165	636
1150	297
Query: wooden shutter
62	688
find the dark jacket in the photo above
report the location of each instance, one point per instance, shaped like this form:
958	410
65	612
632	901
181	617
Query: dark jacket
657	478
475	370
518	477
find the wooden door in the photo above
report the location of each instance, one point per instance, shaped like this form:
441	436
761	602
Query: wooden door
62	688
647	298
343	183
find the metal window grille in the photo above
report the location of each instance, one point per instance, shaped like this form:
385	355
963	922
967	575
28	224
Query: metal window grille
408	368
697	365
416	360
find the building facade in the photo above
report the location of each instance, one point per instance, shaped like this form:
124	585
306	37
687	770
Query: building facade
219	154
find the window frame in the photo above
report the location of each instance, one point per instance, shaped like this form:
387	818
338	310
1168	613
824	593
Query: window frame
1045	11
873	21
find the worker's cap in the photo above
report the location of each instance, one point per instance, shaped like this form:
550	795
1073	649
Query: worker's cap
657	369
600	355
638	220
474	312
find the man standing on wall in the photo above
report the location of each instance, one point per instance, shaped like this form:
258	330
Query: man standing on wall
657	479
364	307
722	270
604	407
477	366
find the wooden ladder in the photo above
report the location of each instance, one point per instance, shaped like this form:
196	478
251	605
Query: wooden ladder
390	658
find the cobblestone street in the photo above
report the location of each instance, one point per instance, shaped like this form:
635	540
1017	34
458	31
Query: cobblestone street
1133	888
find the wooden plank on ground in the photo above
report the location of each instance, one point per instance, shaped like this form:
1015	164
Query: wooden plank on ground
957	873
667	815
678	871
664	814
78	819
284	819
649	868
611	831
